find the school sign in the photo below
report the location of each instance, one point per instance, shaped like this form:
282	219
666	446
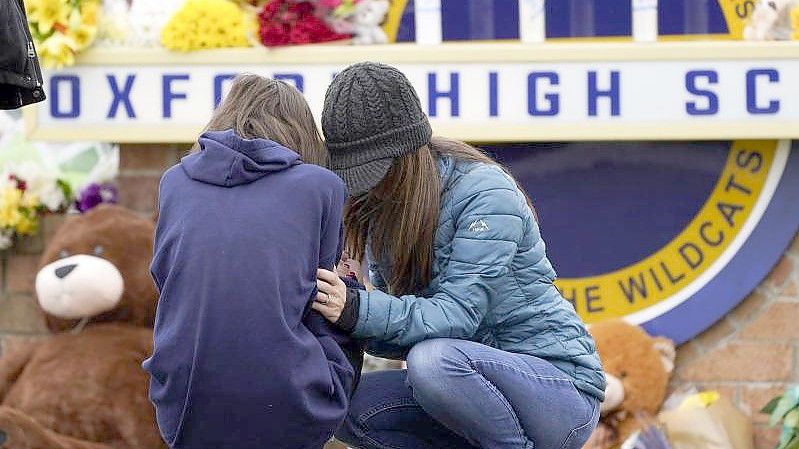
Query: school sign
491	91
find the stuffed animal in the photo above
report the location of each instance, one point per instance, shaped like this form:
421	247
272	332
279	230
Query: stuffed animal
84	388
637	368
369	14
770	20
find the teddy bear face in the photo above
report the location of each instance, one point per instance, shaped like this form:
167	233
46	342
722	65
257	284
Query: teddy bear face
637	366
96	267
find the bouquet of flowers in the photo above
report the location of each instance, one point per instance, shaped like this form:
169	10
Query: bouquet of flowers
26	191
286	22
202	24
61	28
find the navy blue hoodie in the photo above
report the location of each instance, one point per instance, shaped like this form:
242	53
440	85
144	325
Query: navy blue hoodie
240	361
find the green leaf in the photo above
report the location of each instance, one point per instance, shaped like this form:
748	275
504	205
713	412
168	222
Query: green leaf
786	437
789	401
794	443
772	404
792	419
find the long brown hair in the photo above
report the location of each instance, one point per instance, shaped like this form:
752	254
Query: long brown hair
399	216
258	107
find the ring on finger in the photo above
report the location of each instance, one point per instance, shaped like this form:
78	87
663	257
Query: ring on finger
327	298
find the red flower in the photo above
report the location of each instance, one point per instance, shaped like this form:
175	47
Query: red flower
284	22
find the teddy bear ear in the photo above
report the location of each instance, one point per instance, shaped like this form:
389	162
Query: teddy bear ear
667	352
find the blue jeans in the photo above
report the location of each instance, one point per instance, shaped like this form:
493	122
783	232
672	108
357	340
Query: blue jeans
461	394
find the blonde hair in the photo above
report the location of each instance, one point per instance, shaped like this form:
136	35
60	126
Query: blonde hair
259	107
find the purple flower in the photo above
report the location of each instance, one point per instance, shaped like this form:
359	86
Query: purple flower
94	194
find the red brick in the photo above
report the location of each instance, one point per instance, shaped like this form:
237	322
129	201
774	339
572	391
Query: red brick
755	397
790	292
780	273
742	361
50	225
21	272
716	334
688	352
138	192
30	244
749	308
766	437
20	314
780	321
146	157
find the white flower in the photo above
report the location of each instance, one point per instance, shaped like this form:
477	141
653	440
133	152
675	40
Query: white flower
41	182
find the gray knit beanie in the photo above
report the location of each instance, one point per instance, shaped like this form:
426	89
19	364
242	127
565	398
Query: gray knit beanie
372	116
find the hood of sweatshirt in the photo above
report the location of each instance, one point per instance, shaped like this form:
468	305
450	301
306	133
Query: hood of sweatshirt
228	160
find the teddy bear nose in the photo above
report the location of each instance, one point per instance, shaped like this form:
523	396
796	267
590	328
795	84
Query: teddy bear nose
3	437
62	272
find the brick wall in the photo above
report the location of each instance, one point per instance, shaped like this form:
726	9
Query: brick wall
753	353
749	356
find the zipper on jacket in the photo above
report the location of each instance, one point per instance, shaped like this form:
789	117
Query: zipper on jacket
31	51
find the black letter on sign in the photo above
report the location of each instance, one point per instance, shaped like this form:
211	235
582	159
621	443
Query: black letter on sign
744	162
698	256
634	287
729	210
704	236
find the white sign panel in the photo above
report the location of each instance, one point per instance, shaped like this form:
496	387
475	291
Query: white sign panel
496	101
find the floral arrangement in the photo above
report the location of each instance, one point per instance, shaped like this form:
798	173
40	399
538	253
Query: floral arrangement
785	409
95	194
202	24
795	23
62	28
286	22
26	191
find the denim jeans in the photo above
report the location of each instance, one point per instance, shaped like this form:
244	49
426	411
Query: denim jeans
461	394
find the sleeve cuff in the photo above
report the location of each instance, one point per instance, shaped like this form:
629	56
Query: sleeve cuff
349	316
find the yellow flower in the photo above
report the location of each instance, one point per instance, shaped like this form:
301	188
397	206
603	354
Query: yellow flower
201	24
83	36
58	51
88	10
30	201
46	13
10	199
28	225
795	23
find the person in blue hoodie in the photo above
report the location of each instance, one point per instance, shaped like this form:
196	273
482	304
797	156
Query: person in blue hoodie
240	360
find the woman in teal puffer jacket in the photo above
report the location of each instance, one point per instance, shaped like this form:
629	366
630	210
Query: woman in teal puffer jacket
463	288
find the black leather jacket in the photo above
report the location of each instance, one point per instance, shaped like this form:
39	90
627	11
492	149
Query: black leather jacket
20	76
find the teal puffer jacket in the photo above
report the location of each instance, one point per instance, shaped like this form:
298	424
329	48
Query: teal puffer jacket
492	283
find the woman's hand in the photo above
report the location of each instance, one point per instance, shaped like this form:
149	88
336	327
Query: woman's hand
348	267
331	295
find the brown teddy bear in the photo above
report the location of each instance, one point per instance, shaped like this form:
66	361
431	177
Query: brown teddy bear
84	388
637	368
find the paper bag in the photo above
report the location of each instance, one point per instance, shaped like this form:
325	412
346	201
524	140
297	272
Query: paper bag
718	426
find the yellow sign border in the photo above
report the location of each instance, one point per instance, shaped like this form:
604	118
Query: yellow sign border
680	262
